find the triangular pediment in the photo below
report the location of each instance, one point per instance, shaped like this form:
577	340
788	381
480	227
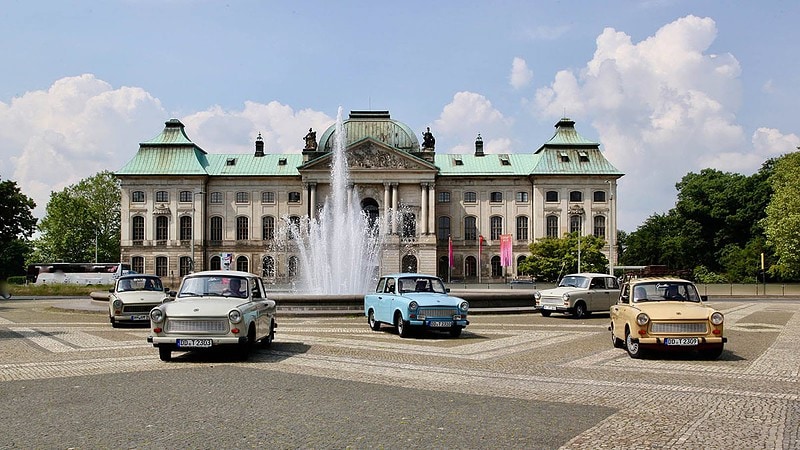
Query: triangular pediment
370	154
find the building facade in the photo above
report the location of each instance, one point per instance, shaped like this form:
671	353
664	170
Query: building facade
183	208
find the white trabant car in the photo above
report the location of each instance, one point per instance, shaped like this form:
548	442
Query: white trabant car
132	298
579	294
211	309
665	314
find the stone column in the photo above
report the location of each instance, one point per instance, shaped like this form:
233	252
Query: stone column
386	208
394	208
431	208
423	210
312	209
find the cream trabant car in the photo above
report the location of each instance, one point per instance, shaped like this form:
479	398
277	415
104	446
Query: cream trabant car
665	314
132	298
211	309
579	294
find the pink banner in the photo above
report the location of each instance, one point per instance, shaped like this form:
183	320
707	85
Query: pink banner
506	254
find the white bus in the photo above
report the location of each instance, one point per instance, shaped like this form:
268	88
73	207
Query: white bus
76	273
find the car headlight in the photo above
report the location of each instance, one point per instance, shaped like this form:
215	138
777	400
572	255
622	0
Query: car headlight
413	305
117	304
464	306
235	316
642	319
537	296
565	297
156	315
717	318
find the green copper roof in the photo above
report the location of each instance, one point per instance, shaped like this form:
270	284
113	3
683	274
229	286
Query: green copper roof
567	136
173	134
374	124
237	164
489	164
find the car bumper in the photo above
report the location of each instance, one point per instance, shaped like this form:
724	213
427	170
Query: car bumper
554	308
429	323
138	318
215	340
658	342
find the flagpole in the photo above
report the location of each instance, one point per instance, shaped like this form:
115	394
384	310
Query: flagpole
449	258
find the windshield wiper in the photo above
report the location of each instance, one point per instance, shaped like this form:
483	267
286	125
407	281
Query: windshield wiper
190	294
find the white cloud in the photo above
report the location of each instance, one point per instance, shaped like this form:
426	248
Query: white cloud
662	107
52	138
462	119
521	75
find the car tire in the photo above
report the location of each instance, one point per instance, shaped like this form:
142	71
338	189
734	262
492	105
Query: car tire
615	341
243	352
402	326
580	311
165	353
114	323
455	332
266	341
373	324
634	351
545	313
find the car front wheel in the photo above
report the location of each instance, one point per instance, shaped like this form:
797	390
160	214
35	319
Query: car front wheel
545	313
402	326
373	324
580	311
634	351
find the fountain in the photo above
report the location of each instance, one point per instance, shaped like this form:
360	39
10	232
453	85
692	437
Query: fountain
339	250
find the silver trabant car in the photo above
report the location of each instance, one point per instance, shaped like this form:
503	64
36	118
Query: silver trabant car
211	309
579	294
132	298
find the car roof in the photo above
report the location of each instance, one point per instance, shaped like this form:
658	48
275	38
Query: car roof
223	273
138	275
408	274
588	274
656	279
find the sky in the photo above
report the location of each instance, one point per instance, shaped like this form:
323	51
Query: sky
667	87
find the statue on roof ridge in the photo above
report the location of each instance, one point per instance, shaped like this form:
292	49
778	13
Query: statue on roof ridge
428	141
311	140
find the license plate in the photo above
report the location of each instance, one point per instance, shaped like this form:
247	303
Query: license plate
140	317
441	324
194	343
548	307
681	341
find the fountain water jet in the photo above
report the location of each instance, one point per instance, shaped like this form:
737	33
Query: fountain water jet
339	251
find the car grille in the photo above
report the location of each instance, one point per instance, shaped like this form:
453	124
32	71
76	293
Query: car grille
196	326
551	301
139	308
678	327
437	312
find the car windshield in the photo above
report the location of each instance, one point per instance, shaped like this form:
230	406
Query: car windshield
140	284
574	281
213	286
665	291
421	284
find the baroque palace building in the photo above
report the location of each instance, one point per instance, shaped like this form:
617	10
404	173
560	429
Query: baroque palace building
181	204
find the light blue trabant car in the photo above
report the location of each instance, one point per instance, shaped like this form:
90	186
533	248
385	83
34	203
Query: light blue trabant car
410	300
214	308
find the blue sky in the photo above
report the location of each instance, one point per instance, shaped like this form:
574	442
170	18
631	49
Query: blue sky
666	87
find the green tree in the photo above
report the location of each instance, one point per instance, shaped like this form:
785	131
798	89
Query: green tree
82	219
782	221
17	224
553	257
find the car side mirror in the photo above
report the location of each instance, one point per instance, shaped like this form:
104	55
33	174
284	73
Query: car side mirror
172	294
703	298
111	291
623	299
447	290
166	290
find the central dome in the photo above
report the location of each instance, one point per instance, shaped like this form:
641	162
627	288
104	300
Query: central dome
377	125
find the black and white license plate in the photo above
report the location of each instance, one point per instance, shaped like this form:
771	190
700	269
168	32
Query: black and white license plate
681	341
548	307
140	317
194	343
441	323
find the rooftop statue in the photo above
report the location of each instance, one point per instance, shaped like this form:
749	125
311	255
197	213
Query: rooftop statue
311	140
428	141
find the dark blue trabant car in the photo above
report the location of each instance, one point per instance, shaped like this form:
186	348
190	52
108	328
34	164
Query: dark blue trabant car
412	300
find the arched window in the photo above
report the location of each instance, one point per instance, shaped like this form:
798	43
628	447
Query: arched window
137	229
241	264
444	228
267	228
496	227
242	228
161	266
497	269
409	264
215	229
371	210
522	228
409	225
470	267
137	264
216	263
552	226
162	228
600	226
268	267
576	196
521	259
185	264
470	229
294	227
575	224
186	228
291	268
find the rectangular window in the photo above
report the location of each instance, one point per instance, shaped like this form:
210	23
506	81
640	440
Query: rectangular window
185	196
599	196
268	197
294	197
137	197
242	229
161	266
216	198
470	229
137	264
522	197
242	197
162	196
522	228
470	197
551	197
552	226
496	197
496	227
443	197
215	232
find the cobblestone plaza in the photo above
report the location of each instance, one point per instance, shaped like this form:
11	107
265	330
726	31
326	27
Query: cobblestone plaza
517	380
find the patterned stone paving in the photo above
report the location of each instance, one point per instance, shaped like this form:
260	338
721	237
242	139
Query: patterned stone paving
750	398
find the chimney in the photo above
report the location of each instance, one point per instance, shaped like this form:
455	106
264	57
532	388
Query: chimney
479	146
259	146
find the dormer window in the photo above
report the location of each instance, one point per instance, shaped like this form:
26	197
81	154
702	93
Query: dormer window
457	160
282	161
504	160
583	157
230	162
564	157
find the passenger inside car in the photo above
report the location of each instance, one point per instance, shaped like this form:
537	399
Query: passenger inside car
124	285
639	293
